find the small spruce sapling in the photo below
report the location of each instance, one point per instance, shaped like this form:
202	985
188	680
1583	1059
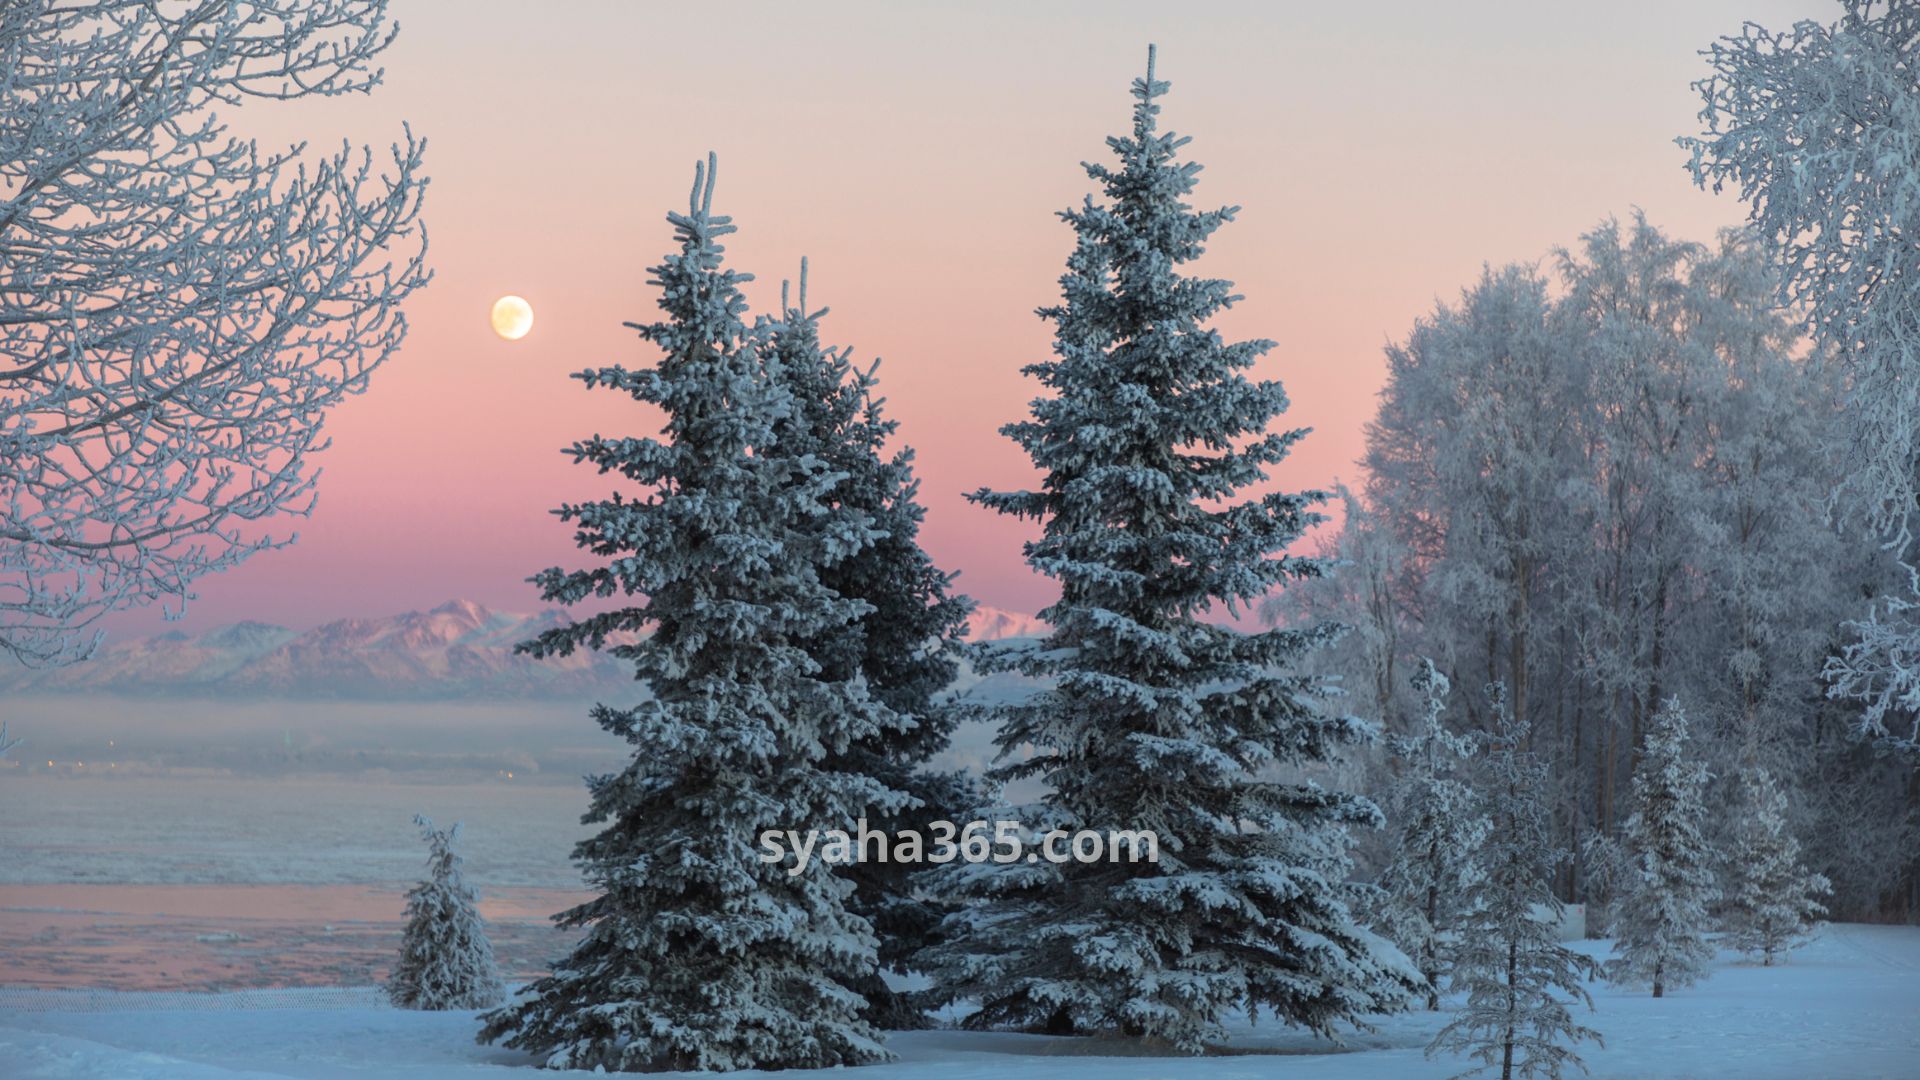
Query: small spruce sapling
1517	976
446	961
1438	826
1773	899
1661	920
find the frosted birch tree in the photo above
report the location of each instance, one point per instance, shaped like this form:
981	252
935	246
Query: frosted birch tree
446	961
1467	498
179	308
1623	497
1814	126
1367	593
1153	717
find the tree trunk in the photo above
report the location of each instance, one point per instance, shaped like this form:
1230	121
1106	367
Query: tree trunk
1606	774
1576	866
1655	662
1493	660
1513	1005
1517	638
1431	962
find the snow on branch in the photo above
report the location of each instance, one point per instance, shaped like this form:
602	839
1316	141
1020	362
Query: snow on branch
178	307
1815	128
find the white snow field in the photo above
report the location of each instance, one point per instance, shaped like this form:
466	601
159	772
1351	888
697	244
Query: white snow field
1846	1006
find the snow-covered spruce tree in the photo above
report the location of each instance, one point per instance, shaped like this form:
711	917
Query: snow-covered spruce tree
696	953
446	961
1772	899
1661	920
1154	719
1517	976
1438	825
904	648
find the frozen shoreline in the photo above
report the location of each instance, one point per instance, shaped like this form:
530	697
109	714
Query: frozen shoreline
1846	1005
229	937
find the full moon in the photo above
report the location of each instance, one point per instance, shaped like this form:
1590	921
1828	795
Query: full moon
512	317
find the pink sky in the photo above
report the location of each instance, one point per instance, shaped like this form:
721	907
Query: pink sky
916	152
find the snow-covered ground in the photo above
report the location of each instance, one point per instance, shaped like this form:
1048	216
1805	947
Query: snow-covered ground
1848	1005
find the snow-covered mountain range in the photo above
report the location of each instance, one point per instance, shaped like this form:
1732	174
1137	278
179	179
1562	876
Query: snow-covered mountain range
457	650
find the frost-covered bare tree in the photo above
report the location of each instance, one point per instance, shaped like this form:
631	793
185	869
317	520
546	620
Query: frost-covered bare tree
1880	669
1816	127
1476	500
1368	593
178	306
1611	486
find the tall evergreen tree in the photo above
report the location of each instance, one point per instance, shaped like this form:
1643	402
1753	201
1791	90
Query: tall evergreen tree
1516	975
697	954
905	648
446	961
1773	899
1661	927
1154	719
1438	825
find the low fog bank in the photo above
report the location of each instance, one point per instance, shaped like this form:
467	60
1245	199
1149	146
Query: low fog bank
530	742
537	742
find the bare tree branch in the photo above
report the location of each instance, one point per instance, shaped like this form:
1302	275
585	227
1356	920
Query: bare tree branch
179	308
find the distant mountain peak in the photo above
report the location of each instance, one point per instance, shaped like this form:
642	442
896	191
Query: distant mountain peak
458	650
472	609
993	624
240	635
